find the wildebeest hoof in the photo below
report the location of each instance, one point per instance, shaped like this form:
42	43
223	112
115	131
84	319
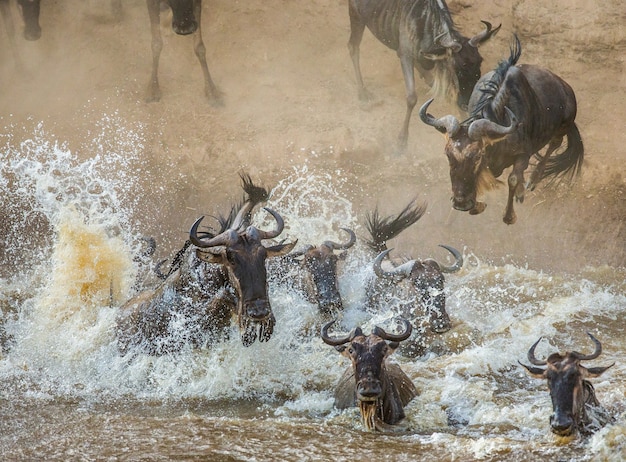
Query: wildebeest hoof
510	219
478	208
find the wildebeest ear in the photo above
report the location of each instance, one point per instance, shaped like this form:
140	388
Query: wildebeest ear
393	345
596	371
340	348
210	256
535	372
280	249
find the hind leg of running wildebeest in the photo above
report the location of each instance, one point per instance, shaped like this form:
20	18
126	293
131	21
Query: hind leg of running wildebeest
154	91
406	61
537	174
210	89
516	189
357	27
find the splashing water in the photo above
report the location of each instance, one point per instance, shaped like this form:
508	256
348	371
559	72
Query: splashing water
61	371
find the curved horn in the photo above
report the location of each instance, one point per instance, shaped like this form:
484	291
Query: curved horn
593	355
531	355
457	257
280	225
157	270
484	35
336	341
447	124
344	246
401	271
221	239
408	328
485	128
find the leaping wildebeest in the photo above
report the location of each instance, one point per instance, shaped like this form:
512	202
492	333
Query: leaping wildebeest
316	273
516	110
424	36
186	19
425	277
380	389
216	277
573	397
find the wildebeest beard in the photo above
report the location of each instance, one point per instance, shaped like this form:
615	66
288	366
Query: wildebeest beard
248	327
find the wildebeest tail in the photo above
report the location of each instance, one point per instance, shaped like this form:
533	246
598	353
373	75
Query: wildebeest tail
567	164
256	194
383	229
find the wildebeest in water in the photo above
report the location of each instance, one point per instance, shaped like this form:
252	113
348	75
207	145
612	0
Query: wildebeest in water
380	389
424	278
516	110
424	36
186	20
313	271
216	277
574	403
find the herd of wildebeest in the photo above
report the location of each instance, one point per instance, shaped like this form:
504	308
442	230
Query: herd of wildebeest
221	275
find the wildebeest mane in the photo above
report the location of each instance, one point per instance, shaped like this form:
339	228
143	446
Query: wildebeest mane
383	229
490	102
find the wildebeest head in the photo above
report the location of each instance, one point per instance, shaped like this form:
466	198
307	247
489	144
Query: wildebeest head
241	252
183	18
467	63
30	15
320	265
377	396
427	279
570	390
465	149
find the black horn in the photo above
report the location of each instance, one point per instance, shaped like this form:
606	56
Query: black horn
280	225
221	239
447	124
400	272
458	263
344	246
484	35
593	355
485	128
531	355
336	341
408	328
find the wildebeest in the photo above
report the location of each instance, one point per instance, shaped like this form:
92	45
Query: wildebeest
214	278
424	36
516	110
186	19
425	277
573	397
379	388
316	273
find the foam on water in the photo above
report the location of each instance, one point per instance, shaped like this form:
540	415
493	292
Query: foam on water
474	398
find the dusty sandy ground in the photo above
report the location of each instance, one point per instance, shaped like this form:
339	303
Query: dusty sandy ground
290	100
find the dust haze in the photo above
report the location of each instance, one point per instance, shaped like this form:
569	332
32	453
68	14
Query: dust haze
291	100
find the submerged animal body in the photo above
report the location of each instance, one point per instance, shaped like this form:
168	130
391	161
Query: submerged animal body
186	20
516	110
573	396
425	278
424	36
313	270
380	389
213	279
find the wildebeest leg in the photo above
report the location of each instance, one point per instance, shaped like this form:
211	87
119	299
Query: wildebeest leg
406	61
537	174
7	17
154	92
357	27
516	189
210	89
